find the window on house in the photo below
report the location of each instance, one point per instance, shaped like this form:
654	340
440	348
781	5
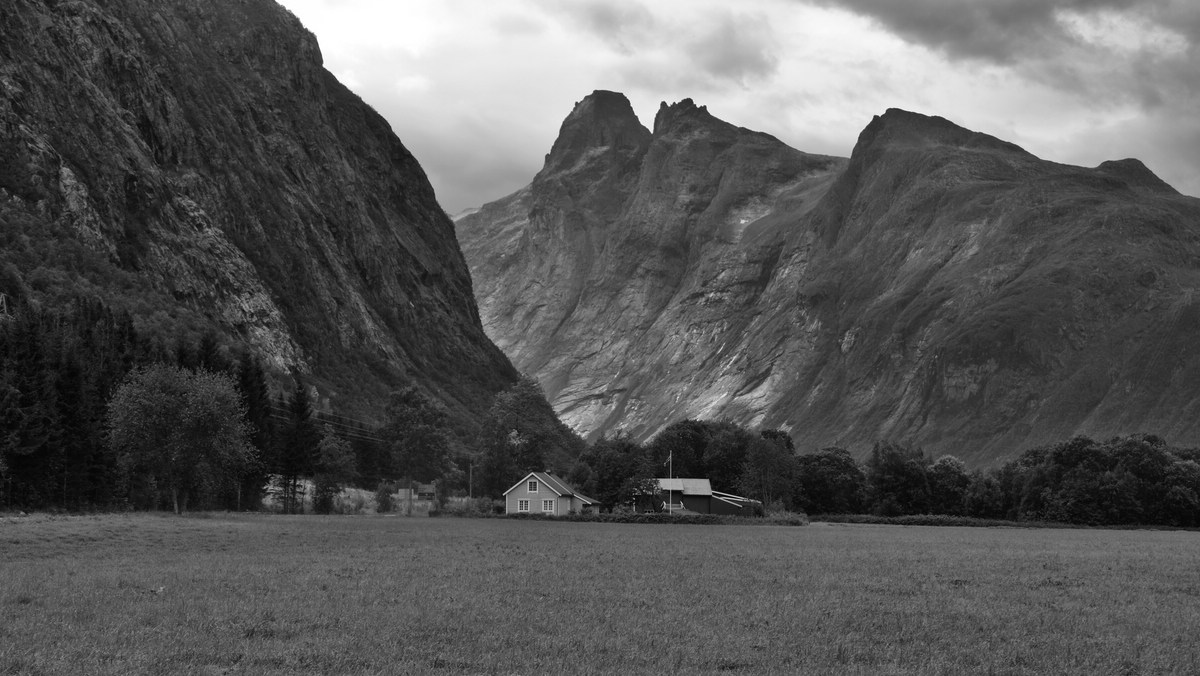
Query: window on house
522	505
547	505
532	487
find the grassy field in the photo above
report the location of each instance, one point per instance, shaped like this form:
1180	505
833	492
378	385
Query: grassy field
233	594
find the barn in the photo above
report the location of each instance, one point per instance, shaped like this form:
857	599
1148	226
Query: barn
544	493
697	495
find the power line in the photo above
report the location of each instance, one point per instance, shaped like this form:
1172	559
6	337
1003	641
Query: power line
283	407
341	429
332	424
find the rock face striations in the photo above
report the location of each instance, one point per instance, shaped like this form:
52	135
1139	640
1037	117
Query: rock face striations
192	160
941	286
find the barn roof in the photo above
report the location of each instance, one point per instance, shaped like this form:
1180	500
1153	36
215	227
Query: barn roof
701	487
686	486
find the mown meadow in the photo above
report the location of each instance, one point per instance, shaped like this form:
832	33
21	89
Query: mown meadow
261	594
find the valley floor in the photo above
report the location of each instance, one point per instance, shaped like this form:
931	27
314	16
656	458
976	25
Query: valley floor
259	594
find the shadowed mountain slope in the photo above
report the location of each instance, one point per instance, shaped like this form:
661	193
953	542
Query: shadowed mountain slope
192	161
941	286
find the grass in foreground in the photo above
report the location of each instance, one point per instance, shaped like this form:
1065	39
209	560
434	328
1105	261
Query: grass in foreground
275	595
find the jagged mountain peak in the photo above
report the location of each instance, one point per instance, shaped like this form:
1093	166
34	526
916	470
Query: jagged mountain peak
897	127
683	115
602	120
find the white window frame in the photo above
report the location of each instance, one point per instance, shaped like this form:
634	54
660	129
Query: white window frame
532	487
522	505
548	504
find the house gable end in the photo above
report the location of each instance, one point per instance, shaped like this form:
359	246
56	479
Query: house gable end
542	478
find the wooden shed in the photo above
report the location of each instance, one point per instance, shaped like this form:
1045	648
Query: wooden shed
698	496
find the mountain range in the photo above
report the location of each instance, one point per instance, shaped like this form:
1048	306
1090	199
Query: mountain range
940	286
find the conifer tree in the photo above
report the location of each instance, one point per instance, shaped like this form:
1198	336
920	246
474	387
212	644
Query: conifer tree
252	383
296	449
209	355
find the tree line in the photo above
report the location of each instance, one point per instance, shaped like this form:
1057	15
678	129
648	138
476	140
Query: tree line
1133	479
95	415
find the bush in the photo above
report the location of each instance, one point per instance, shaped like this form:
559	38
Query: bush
385	500
324	492
350	501
473	507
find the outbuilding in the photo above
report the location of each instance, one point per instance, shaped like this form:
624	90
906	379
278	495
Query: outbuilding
697	495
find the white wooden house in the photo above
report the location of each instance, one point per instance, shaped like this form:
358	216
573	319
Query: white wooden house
544	493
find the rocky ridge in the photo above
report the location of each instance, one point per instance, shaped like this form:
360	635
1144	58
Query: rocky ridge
192	161
940	286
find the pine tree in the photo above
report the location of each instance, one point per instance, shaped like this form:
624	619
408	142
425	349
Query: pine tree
209	355
296	449
252	383
79	433
31	442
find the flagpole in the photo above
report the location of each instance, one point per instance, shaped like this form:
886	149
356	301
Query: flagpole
671	472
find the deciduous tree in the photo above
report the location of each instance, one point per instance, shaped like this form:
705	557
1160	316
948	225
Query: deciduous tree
335	468
520	434
829	481
184	429
948	484
896	479
417	437
769	471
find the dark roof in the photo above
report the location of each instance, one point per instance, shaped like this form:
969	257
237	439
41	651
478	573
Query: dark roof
686	486
701	487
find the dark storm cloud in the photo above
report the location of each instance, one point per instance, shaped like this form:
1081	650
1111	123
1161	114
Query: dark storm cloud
705	51
625	25
1114	55
738	48
999	31
1041	39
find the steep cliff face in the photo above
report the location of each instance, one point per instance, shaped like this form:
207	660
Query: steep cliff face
197	164
611	276
941	286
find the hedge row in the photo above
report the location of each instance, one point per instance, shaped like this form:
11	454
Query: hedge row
649	517
972	522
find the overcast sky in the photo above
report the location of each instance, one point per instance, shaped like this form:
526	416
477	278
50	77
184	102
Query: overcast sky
477	89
